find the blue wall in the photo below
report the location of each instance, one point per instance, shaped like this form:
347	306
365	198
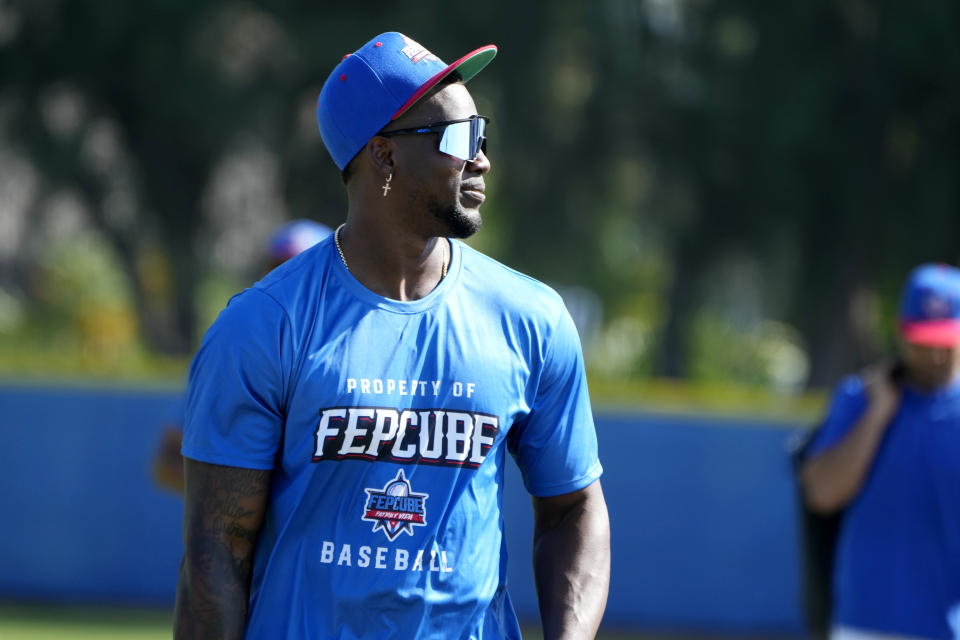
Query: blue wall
84	521
703	512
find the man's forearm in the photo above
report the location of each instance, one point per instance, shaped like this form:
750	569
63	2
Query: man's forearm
224	510
572	568
832	478
212	595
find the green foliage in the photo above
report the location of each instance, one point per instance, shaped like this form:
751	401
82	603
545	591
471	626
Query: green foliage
715	398
769	355
213	293
635	146
82	323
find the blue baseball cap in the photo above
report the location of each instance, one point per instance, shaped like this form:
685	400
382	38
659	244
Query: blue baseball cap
377	84
295	237
930	306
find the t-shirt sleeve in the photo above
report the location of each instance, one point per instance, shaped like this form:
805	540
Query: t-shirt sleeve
237	386
556	445
847	405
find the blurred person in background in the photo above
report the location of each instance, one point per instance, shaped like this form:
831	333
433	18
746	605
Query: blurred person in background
888	455
285	242
348	418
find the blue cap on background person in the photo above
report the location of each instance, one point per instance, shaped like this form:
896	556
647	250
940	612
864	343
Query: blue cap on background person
295	236
377	84
930	306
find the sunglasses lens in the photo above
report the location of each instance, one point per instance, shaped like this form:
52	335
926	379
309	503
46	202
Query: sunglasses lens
478	130
463	140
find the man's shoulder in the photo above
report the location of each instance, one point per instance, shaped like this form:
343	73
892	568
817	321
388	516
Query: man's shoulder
850	387
299	276
280	295
511	287
848	398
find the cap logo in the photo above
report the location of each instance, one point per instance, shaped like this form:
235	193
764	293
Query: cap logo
936	307
416	51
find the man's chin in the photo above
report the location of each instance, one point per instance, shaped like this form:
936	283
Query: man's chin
462	222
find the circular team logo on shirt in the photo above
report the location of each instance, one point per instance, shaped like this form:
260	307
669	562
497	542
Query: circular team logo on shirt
395	507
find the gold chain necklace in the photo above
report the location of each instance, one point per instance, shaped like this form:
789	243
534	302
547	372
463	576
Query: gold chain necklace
443	252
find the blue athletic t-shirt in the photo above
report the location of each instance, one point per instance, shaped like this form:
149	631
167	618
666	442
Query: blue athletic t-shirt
386	425
898	553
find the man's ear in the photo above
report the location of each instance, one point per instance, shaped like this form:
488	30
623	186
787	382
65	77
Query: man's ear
381	153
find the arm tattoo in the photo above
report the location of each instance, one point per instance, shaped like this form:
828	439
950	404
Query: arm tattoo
224	511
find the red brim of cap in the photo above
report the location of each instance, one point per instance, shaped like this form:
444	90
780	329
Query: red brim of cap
468	66
932	333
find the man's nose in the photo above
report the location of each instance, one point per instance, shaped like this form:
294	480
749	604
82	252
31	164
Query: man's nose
479	164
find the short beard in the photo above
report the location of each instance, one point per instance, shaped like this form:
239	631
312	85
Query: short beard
458	223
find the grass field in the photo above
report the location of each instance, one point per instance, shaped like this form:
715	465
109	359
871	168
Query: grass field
43	622
39	622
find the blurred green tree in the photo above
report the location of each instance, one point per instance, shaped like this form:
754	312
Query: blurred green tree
702	166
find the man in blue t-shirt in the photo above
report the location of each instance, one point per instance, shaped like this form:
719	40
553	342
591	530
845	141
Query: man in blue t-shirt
888	453
349	416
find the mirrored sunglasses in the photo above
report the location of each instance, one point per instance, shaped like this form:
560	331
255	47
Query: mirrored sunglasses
463	139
